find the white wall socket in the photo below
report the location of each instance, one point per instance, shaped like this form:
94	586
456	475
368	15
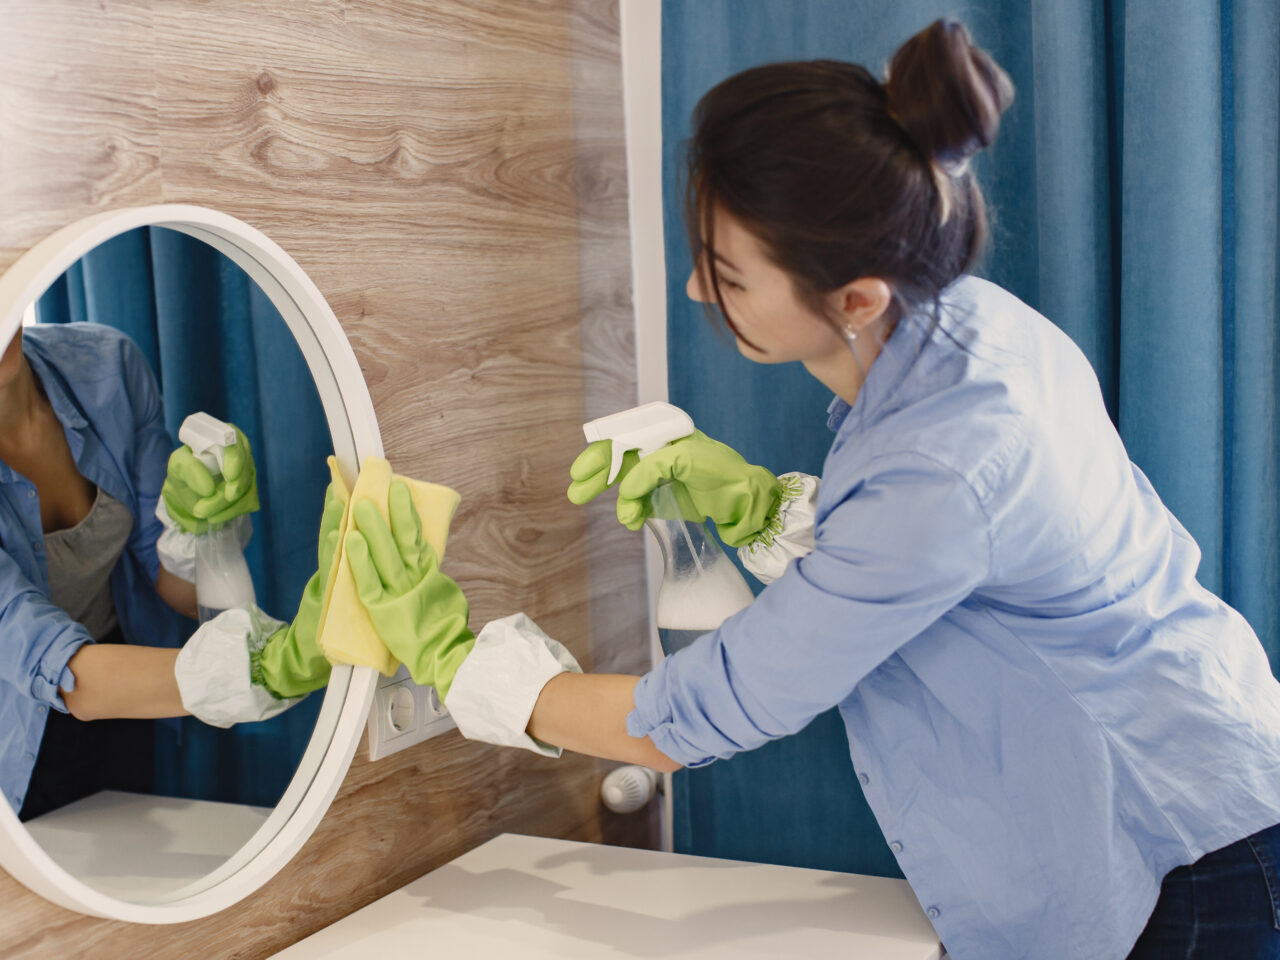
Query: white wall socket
403	714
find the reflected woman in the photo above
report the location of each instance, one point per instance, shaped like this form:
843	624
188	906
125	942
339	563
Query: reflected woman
88	564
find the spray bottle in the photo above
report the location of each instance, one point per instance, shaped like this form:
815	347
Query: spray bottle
701	588
222	575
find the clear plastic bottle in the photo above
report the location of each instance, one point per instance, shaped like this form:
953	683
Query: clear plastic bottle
701	588
222	575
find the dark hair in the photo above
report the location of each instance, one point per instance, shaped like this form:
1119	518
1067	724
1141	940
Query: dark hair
840	176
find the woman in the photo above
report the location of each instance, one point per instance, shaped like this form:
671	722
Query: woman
88	566
1072	748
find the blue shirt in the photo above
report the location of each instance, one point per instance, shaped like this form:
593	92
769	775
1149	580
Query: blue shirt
1045	710
104	394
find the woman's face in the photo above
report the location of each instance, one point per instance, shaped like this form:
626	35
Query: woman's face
771	323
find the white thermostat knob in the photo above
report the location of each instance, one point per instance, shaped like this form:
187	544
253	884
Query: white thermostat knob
629	788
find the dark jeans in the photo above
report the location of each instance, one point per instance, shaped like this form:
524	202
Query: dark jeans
1225	906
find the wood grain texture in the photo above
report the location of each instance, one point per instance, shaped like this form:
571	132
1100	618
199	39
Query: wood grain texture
78	113
451	174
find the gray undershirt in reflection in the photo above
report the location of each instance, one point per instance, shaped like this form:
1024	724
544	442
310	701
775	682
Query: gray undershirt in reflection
81	559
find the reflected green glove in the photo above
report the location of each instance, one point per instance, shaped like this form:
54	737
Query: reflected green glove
195	499
291	663
711	480
419	613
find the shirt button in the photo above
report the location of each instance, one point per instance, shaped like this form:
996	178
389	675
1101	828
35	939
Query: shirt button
30	756
864	779
42	709
30	494
933	913
896	847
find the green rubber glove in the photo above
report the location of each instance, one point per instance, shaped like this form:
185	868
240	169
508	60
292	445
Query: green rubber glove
590	471
711	480
419	613
195	500
291	664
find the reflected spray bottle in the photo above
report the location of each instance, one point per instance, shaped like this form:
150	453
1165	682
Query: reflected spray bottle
222	575
701	588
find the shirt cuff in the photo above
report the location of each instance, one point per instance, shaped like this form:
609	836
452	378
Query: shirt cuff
650	719
54	674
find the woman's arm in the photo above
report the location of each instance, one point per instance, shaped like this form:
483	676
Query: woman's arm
176	592
587	713
121	680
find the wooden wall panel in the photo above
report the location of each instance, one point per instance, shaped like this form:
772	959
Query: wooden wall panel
451	174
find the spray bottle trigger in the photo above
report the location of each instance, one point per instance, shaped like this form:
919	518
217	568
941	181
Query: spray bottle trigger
207	437
617	450
212	459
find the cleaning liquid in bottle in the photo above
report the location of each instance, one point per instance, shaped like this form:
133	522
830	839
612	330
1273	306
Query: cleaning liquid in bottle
222	575
701	588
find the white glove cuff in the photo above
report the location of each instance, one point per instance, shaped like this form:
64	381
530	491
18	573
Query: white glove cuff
213	669
177	548
789	534
495	689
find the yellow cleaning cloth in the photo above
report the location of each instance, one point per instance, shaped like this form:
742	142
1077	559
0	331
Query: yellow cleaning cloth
346	634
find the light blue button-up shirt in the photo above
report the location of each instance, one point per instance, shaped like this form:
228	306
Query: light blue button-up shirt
104	394
1045	710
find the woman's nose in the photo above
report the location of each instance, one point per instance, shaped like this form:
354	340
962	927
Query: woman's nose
694	288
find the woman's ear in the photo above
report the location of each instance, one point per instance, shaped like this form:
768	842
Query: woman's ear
860	303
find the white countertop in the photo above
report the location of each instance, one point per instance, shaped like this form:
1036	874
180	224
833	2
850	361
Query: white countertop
529	897
139	847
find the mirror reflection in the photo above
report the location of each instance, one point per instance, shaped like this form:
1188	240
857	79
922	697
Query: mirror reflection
160	437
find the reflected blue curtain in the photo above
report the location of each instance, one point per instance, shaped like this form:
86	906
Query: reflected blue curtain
1136	196
217	344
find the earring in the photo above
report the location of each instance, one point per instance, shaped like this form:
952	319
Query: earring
850	334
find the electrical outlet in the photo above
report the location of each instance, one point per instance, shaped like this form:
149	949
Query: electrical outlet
403	714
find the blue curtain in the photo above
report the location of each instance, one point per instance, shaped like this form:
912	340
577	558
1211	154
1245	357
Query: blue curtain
1136	194
217	344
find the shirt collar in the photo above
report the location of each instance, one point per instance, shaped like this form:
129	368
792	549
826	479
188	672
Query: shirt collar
64	406
897	356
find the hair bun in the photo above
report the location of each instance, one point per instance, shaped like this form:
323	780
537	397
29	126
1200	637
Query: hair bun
946	93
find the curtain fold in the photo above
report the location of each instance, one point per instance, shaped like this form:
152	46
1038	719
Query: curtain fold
217	344
1135	193
1252	434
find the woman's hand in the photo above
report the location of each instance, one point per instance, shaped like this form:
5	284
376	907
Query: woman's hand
590	471
710	480
195	499
419	613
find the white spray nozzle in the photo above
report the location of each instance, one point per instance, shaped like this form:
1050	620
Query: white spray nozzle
207	436
645	428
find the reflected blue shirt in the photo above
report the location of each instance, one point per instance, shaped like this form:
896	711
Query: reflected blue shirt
1045	710
104	394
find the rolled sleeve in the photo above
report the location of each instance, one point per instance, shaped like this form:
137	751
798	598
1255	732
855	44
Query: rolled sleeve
55	676
905	545
43	639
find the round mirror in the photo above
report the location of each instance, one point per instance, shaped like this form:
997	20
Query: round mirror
169	820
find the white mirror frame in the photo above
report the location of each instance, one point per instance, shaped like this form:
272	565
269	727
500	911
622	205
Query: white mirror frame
354	428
